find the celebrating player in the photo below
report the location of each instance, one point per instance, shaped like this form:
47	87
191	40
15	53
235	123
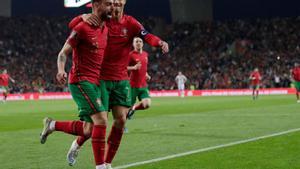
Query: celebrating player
115	86
180	80
255	79
4	82
88	44
138	76
295	77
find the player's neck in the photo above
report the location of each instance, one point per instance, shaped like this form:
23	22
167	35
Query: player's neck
119	16
139	50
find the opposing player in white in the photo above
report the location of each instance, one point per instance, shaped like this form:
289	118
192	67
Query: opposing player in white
180	80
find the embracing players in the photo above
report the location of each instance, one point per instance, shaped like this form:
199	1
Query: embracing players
115	86
88	44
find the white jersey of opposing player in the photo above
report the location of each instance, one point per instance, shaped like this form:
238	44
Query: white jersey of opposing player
181	79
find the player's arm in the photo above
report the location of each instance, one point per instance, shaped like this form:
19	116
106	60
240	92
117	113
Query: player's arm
148	77
148	37
291	76
135	67
12	80
88	18
61	63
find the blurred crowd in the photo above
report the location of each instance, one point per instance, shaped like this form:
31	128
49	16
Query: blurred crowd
211	54
217	55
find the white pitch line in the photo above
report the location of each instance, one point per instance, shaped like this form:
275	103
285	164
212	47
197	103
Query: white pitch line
206	149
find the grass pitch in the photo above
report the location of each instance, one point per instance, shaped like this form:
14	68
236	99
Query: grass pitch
170	126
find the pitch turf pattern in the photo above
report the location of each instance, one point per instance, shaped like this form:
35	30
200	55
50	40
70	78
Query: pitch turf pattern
171	126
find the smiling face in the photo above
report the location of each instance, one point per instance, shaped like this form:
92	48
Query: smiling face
118	8
103	8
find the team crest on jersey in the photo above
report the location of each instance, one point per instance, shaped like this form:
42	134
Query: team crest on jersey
124	32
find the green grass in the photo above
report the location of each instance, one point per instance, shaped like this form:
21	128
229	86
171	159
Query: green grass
170	126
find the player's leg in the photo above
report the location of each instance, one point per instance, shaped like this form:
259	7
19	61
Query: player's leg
100	130
257	91
297	86
144	101
120	102
77	144
116	132
70	127
98	138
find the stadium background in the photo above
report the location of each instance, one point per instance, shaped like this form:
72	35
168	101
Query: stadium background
219	132
213	33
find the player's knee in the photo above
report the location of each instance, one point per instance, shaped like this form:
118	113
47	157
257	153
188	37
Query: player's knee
147	103
120	122
87	131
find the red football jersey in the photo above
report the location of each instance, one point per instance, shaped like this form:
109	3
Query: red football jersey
138	77
255	78
120	37
4	79
296	73
88	43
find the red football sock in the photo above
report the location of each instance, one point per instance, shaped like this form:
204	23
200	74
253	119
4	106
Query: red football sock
81	140
70	127
113	143
98	143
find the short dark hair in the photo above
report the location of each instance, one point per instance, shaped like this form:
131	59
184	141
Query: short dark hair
93	1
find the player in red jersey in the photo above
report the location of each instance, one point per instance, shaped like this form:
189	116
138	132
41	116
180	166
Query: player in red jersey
138	77
255	78
295	77
4	82
115	85
88	44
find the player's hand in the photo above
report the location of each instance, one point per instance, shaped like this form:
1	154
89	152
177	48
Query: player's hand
164	46
148	77
61	77
137	66
91	19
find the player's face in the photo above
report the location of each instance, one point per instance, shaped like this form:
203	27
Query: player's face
105	9
138	43
119	6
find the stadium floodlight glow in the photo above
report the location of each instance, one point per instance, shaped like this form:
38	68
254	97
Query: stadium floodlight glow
75	3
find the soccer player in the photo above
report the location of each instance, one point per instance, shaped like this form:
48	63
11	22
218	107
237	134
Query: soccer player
88	44
4	82
295	77
138	76
180	80
255	79
115	86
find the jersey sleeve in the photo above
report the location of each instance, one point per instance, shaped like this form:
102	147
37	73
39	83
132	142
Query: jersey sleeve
75	21
139	30
76	35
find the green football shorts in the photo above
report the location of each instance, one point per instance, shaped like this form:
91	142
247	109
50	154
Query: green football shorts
88	99
140	93
3	89
115	93
297	85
